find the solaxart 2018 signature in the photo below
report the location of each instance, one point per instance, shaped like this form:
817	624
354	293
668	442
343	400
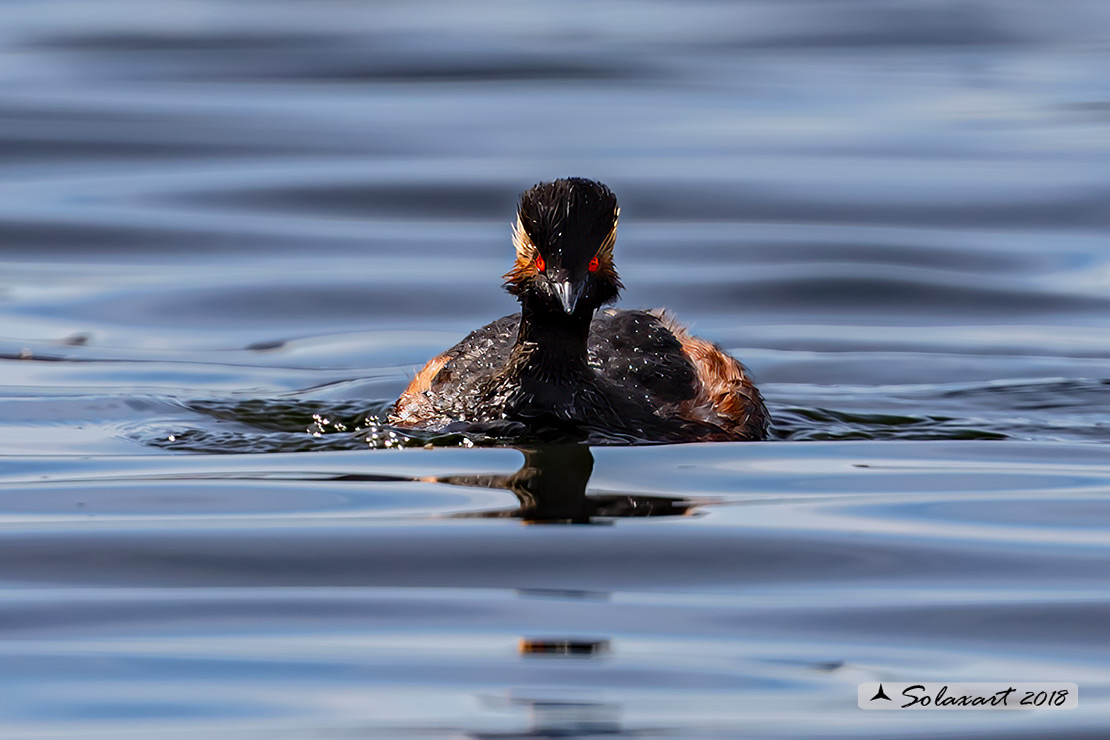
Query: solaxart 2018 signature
917	694
943	695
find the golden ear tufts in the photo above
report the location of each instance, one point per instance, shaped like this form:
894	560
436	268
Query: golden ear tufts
605	251
525	249
524	264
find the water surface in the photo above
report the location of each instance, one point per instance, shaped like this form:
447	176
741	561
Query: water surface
231	231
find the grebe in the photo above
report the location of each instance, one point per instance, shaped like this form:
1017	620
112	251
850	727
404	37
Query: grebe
564	367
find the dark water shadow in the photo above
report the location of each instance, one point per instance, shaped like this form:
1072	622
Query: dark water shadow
560	719
551	489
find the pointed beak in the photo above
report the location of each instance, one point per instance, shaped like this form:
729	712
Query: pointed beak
568	294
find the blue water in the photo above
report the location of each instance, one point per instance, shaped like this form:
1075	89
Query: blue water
230	232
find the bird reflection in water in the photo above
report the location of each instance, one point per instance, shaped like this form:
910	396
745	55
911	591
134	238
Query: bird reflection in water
551	487
550	718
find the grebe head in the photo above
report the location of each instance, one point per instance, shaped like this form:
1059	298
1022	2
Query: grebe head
564	236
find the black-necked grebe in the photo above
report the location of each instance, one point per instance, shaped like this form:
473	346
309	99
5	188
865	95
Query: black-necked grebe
562	366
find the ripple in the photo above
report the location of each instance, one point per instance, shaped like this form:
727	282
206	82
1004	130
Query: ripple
366	57
232	230
392	200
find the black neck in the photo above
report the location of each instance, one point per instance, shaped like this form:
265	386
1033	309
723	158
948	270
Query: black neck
550	344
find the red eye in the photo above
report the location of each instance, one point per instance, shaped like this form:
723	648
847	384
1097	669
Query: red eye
594	264
540	264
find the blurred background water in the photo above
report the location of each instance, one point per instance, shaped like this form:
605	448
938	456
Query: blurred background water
230	231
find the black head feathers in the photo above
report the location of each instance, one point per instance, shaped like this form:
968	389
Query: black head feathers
564	236
570	221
